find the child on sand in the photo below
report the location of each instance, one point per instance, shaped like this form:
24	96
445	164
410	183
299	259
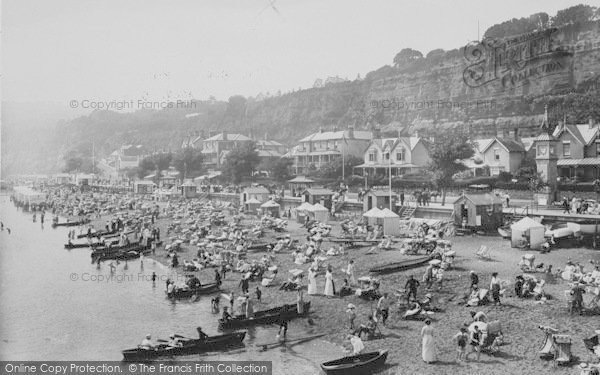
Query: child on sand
461	339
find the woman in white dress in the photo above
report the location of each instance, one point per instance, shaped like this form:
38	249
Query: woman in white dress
312	281
428	343
350	272
329	287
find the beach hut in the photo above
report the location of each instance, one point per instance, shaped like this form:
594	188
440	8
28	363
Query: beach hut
378	198
320	195
188	189
372	215
272	207
252	205
300	183
259	193
529	230
302	212
318	212
389	221
478	211
144	187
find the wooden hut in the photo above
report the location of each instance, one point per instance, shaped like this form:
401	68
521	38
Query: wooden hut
144	187
272	207
188	189
321	196
479	211
259	193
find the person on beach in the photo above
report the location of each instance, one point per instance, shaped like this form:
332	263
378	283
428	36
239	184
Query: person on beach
249	309
245	284
283	327
351	315
495	288
312	281
428	276
226	316
217	278
428	343
383	307
474	279
153	278
350	272
215	304
357	344
258	294
329	284
475	342
461	339
174	342
411	287
300	301
147	343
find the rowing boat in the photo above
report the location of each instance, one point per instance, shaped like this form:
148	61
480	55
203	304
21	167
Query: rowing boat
192	346
270	316
401	265
365	363
188	293
70	223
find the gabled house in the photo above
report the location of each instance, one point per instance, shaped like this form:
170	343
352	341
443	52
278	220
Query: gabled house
215	148
401	155
503	155
578	150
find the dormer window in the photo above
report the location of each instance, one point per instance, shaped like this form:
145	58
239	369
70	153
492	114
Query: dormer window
567	149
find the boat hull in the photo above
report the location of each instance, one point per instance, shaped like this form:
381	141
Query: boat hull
188	293
356	364
213	343
401	266
271	316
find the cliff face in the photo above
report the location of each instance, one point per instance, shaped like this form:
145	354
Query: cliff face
486	88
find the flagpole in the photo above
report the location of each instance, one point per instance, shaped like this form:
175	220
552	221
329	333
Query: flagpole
343	166
390	176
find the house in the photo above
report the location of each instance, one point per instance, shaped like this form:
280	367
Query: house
398	155
300	183
376	198
503	155
255	193
320	149
268	149
578	150
215	148
478	211
318	195
84	179
61	178
143	187
188	189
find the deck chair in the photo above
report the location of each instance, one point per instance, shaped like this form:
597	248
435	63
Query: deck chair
591	343
547	351
483	252
562	345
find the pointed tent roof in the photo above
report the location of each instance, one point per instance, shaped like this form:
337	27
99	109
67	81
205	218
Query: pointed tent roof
317	207
269	204
386	212
253	201
373	212
526	223
304	207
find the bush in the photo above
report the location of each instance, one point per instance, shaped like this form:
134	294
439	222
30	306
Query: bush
476	181
512	186
504	176
582	186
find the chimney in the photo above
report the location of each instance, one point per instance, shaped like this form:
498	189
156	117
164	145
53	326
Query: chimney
417	133
376	132
335	128
266	136
224	135
591	123
320	129
351	131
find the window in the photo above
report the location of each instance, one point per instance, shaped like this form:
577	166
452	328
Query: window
496	154
598	148
372	156
401	155
567	149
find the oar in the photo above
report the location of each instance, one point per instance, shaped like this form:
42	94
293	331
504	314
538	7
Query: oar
183	337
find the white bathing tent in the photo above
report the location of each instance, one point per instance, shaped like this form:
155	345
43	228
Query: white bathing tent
372	215
302	212
318	212
530	230
390	222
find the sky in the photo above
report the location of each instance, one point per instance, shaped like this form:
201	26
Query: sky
148	50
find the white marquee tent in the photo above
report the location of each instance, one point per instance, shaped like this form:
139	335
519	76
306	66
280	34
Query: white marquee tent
530	230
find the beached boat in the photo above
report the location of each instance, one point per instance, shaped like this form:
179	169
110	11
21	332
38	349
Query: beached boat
401	265
504	232
97	234
103	250
589	227
70	223
81	245
193	346
188	293
270	316
259	246
365	363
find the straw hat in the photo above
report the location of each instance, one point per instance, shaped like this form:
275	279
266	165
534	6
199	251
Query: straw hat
351	306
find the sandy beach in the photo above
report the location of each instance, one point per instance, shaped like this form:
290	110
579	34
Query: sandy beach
520	318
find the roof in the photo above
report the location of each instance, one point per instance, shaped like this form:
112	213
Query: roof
268	204
256	190
373	212
381	193
304	206
301	180
316	208
526	223
252	201
142	182
269	153
545	137
583	133
528	142
386	165
483	144
268	142
340	134
571	162
509	144
481	199
318	191
230	137
392	143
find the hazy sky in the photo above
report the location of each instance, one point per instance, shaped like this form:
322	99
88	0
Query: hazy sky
136	49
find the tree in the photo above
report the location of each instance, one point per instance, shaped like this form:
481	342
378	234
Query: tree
336	168
241	162
575	14
446	154
187	161
435	54
279	168
145	166
72	163
406	56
